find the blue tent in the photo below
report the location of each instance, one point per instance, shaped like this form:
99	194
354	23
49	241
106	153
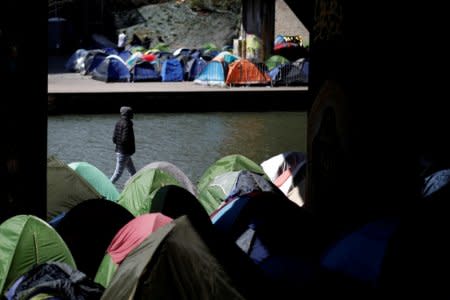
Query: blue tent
93	59
172	70
194	67
112	69
145	71
125	54
214	73
72	64
359	255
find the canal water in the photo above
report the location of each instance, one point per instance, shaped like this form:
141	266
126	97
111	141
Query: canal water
191	141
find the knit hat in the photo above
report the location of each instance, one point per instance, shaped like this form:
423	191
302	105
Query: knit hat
126	111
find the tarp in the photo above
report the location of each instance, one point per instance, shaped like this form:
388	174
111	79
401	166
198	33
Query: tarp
96	178
65	188
128	238
54	280
89	228
138	193
177	262
25	241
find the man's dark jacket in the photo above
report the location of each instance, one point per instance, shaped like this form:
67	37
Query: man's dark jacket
124	134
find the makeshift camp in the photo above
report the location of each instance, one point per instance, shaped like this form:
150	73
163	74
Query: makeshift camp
126	239
213	74
26	241
54	280
178	262
65	188
89	228
244	72
287	171
96	178
172	170
112	69
139	191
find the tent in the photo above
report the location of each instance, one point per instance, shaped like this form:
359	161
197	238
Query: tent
295	73
359	254
73	64
112	69
244	72
172	70
287	171
226	57
193	67
178	262
138	193
279	236
97	179
232	162
214	74
88	229
65	188
172	170
126	239
233	184
275	60
145	71
175	201
92	60
25	241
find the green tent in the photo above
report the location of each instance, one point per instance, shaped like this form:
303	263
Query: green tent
174	262
97	179
230	163
276	60
65	188
26	241
138	193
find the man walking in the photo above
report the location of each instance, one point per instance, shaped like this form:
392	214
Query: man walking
125	145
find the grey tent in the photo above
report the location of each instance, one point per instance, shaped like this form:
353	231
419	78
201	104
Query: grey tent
65	188
176	262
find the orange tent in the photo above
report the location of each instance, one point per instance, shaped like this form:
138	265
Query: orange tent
244	72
